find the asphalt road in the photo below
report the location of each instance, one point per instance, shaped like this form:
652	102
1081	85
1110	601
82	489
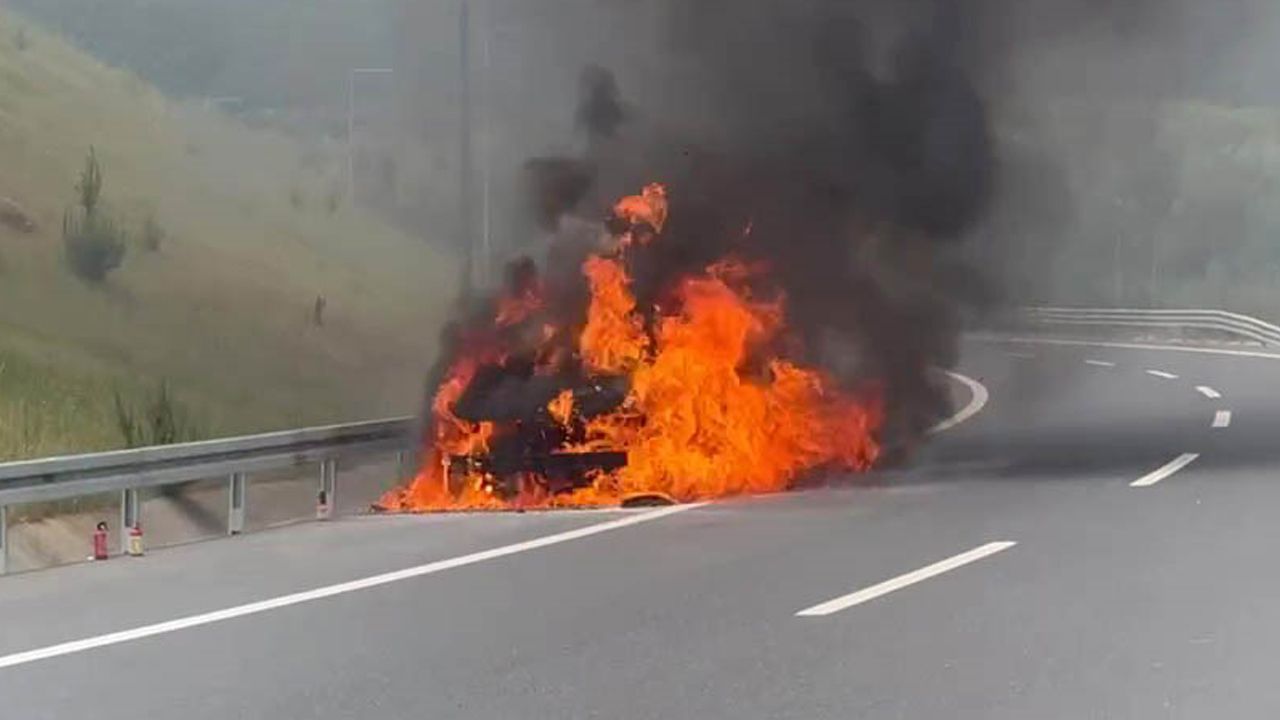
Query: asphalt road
1103	601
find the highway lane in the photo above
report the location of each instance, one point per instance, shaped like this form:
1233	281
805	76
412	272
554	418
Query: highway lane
1115	602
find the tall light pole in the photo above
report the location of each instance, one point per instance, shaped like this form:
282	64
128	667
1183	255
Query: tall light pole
465	170
486	144
478	251
351	124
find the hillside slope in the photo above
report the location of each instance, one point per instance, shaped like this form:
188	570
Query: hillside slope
255	229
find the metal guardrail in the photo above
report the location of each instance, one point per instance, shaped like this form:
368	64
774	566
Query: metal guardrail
128	471
1242	326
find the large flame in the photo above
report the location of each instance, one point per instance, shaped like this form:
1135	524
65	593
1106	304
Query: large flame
614	340
714	407
700	425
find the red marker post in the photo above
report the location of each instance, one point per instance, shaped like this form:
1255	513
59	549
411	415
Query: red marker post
100	542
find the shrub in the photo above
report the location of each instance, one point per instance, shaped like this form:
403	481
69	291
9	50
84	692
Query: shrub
93	241
94	245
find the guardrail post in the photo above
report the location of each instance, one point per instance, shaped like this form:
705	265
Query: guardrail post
4	539
236	497
128	515
328	488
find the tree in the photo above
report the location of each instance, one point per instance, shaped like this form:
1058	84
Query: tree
90	184
94	242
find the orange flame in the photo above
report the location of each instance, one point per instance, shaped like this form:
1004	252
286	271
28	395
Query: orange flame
515	309
645	214
453	436
714	407
613	340
709	427
647	208
561	408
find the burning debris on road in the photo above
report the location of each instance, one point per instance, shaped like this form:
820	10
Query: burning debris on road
693	397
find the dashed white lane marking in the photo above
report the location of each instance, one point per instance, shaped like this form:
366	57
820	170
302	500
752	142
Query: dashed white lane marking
844	602
283	601
1162	374
1208	392
1222	419
1165	471
1021	355
1100	363
977	400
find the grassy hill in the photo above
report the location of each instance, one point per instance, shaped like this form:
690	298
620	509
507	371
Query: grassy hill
255	228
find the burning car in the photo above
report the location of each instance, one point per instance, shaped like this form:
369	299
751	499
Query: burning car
585	396
537	422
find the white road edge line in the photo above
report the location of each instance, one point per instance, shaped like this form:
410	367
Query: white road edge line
1165	471
1222	419
1100	363
977	401
1208	392
845	602
283	601
1162	374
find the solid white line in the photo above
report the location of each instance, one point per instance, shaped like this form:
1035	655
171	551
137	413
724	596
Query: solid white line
1208	392
1162	374
845	602
1165	471
1222	419
283	601
977	400
1099	363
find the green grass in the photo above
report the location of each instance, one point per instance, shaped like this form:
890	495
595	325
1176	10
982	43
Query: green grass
221	310
49	412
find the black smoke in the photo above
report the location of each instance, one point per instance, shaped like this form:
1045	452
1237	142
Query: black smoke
850	144
851	165
600	109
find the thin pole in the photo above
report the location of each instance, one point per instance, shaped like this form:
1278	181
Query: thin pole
466	171
486	138
351	130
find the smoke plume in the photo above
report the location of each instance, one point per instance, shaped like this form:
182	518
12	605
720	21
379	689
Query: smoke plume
795	135
864	150
848	145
